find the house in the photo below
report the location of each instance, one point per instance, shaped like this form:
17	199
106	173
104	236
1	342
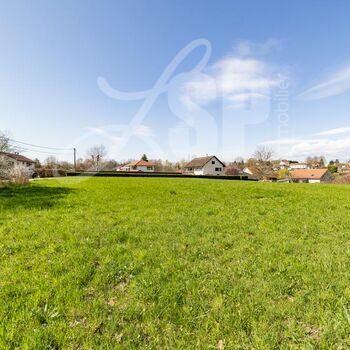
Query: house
210	165
311	175
344	169
139	165
247	171
284	164
17	161
294	166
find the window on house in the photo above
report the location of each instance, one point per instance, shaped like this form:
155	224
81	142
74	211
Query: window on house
149	168
218	169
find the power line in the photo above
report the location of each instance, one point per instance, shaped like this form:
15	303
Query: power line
30	144
39	151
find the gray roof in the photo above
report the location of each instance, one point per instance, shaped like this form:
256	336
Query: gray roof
201	161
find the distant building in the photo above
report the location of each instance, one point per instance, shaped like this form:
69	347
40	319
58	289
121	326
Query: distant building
247	171
139	165
210	165
293	166
284	164
17	161
311	175
344	169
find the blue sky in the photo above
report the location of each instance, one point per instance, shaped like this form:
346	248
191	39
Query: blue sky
54	56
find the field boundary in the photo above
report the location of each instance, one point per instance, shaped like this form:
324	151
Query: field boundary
154	175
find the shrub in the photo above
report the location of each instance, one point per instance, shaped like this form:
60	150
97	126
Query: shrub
342	179
48	172
232	171
19	175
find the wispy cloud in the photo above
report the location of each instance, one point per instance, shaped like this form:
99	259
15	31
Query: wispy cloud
337	84
110	132
336	131
284	141
249	48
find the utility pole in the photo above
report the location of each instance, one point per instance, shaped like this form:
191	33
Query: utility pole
75	159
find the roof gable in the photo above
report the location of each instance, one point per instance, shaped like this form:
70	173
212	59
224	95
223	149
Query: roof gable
201	161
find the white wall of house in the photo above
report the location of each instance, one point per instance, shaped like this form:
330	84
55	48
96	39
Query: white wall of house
29	166
298	166
24	168
145	169
213	167
16	164
198	171
247	171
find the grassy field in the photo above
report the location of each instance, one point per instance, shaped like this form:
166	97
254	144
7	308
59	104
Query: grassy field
111	263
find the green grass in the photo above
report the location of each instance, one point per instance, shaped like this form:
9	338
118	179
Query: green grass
111	263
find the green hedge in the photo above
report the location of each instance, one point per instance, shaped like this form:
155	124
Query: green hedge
169	175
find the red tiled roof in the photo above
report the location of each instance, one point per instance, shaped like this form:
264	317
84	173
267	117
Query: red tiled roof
141	163
17	157
308	173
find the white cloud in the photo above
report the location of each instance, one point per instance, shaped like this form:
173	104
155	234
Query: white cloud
111	132
240	81
143	131
247	48
337	84
336	131
301	148
284	141
330	148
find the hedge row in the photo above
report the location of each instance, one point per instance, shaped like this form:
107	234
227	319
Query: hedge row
44	172
169	175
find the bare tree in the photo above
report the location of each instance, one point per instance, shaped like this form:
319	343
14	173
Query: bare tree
96	154
263	154
4	164
51	162
316	162
261	162
4	143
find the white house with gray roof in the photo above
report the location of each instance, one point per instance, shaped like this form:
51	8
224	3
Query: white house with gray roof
210	165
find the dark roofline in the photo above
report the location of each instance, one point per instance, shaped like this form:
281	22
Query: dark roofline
207	158
17	157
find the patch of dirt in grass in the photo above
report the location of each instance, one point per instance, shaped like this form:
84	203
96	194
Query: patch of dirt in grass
111	302
77	322
312	331
122	284
221	344
118	337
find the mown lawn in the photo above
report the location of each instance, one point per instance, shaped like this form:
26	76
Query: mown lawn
110	263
